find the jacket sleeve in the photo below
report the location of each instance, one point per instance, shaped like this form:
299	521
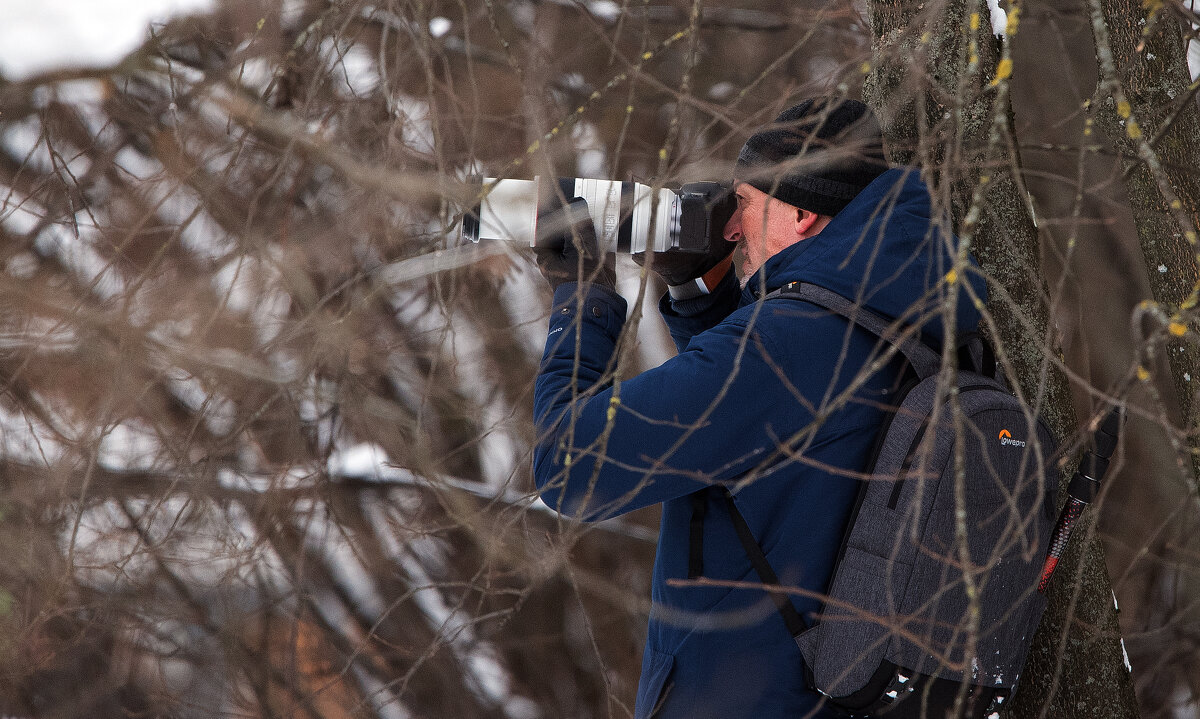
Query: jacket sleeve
699	418
687	318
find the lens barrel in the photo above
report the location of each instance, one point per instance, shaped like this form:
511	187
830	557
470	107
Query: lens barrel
629	217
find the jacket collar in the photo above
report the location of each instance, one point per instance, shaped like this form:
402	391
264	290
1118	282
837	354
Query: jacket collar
774	272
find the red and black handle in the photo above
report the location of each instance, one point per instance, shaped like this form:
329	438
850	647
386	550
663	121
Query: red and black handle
1084	487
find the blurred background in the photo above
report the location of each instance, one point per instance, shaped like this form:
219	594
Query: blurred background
265	421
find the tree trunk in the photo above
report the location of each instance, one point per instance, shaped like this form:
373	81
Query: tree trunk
1145	105
953	120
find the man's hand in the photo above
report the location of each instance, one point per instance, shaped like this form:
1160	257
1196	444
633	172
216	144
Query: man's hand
567	250
677	267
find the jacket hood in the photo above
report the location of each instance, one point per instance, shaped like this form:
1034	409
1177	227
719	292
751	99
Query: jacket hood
884	252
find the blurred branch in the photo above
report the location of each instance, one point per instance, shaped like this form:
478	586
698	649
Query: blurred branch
710	17
35	484
440	261
281	127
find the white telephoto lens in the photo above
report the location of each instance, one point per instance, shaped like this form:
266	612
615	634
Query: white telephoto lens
621	212
507	212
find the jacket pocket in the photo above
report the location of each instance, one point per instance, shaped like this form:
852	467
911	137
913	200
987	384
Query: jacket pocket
655	672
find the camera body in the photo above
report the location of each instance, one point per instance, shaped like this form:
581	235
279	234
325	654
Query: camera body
629	217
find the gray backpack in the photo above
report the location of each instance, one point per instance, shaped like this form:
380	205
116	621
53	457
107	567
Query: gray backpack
896	635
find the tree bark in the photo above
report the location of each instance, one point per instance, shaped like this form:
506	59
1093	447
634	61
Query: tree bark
938	82
1145	106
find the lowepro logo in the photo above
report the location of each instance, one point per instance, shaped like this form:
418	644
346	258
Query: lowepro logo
1006	439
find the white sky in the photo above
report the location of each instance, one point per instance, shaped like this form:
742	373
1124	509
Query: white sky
41	35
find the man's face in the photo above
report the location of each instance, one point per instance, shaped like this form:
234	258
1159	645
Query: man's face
762	226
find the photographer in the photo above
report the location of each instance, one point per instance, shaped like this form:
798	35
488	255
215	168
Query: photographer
771	400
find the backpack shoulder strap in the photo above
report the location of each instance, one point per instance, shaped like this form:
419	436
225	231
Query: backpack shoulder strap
975	353
791	618
924	360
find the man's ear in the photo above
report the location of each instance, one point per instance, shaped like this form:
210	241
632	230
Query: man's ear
805	221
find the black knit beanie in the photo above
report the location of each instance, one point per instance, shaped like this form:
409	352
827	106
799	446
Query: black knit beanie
817	155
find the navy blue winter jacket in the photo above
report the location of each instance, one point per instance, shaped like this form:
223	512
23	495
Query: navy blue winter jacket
755	401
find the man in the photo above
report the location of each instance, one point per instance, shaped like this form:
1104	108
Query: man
756	401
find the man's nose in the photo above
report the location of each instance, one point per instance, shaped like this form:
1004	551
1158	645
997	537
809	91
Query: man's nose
733	228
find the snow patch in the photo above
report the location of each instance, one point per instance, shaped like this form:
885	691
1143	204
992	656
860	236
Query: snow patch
1193	58
129	445
722	90
24	438
356	68
219	412
417	128
591	160
23	139
41	37
256	73
606	10
999	18
366	460
439	26
75	247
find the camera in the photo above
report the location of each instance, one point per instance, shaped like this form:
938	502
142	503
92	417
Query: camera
624	213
